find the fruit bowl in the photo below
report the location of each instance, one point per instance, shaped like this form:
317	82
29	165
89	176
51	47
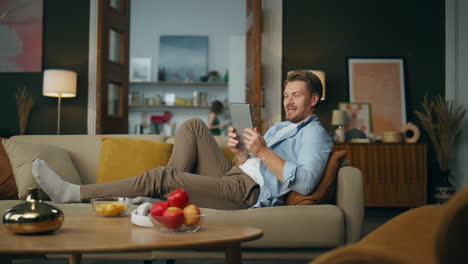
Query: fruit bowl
177	224
111	206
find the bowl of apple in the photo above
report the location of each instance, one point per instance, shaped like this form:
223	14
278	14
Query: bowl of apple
176	215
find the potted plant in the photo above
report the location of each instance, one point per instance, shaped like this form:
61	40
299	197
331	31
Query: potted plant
441	119
24	101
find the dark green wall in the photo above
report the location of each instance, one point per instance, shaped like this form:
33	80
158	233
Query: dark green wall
322	34
65	46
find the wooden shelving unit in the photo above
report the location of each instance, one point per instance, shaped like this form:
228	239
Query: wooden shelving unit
149	85
152	107
182	83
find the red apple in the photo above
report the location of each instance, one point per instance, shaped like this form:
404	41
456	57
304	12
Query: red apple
158	208
173	217
178	198
191	214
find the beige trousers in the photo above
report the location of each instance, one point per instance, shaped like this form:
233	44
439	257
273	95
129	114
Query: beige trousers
197	165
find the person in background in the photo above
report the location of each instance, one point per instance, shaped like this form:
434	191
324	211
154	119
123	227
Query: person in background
214	124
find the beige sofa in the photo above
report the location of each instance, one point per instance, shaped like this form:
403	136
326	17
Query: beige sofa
290	232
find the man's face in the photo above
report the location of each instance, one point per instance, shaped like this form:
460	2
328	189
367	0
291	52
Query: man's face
298	103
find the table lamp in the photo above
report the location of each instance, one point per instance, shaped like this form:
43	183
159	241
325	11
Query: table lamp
339	118
59	83
321	76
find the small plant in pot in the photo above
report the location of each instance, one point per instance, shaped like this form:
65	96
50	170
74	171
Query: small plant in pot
441	119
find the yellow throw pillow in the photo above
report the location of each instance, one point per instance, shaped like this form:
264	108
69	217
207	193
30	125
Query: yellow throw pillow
222	141
228	153
122	158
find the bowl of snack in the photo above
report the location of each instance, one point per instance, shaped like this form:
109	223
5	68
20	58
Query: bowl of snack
111	206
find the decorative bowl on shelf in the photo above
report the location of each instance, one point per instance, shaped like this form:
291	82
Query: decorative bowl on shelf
178	224
111	206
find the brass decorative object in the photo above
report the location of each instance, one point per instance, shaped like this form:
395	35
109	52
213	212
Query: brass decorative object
33	216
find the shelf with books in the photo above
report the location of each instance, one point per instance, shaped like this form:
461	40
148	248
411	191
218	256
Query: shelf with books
180	83
147	107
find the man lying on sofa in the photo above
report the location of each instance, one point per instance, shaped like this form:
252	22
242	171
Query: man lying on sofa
291	156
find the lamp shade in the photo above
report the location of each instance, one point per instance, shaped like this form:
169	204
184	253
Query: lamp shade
339	118
321	76
59	83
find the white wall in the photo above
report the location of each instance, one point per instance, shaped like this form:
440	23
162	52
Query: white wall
237	66
457	80
216	19
221	21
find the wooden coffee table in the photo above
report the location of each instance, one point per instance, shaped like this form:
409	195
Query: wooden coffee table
93	234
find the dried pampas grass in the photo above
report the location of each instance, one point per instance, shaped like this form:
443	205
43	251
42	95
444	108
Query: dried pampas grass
442	119
25	101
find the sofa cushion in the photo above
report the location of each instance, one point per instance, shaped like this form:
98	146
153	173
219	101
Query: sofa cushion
84	150
222	141
318	226
325	190
8	188
228	153
22	155
123	158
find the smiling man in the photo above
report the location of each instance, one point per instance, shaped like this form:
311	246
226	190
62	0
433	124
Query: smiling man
291	156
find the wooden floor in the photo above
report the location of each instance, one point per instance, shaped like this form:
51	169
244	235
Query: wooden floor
374	217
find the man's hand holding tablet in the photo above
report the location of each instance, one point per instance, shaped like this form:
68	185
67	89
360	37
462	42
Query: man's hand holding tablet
241	118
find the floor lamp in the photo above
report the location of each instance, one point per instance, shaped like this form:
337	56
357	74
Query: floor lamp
59	83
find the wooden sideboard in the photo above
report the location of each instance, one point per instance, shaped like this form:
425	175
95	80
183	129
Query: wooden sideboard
394	175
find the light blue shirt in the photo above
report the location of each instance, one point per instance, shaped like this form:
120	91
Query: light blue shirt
305	150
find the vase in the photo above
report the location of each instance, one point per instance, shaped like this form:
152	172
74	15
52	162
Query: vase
33	216
445	190
445	178
340	134
443	194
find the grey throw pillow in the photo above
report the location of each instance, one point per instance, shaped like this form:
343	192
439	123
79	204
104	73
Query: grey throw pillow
22	155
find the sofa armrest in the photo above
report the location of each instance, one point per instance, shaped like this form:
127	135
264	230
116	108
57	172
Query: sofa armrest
350	198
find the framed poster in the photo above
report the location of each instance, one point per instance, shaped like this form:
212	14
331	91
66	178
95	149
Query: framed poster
21	36
381	83
183	58
140	69
359	116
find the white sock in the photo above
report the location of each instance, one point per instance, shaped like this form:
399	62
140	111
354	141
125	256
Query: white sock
58	190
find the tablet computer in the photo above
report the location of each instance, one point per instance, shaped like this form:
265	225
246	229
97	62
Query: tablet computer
241	118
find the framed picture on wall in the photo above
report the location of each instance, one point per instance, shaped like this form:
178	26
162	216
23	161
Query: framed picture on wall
359	116
381	83
21	24
140	69
184	58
